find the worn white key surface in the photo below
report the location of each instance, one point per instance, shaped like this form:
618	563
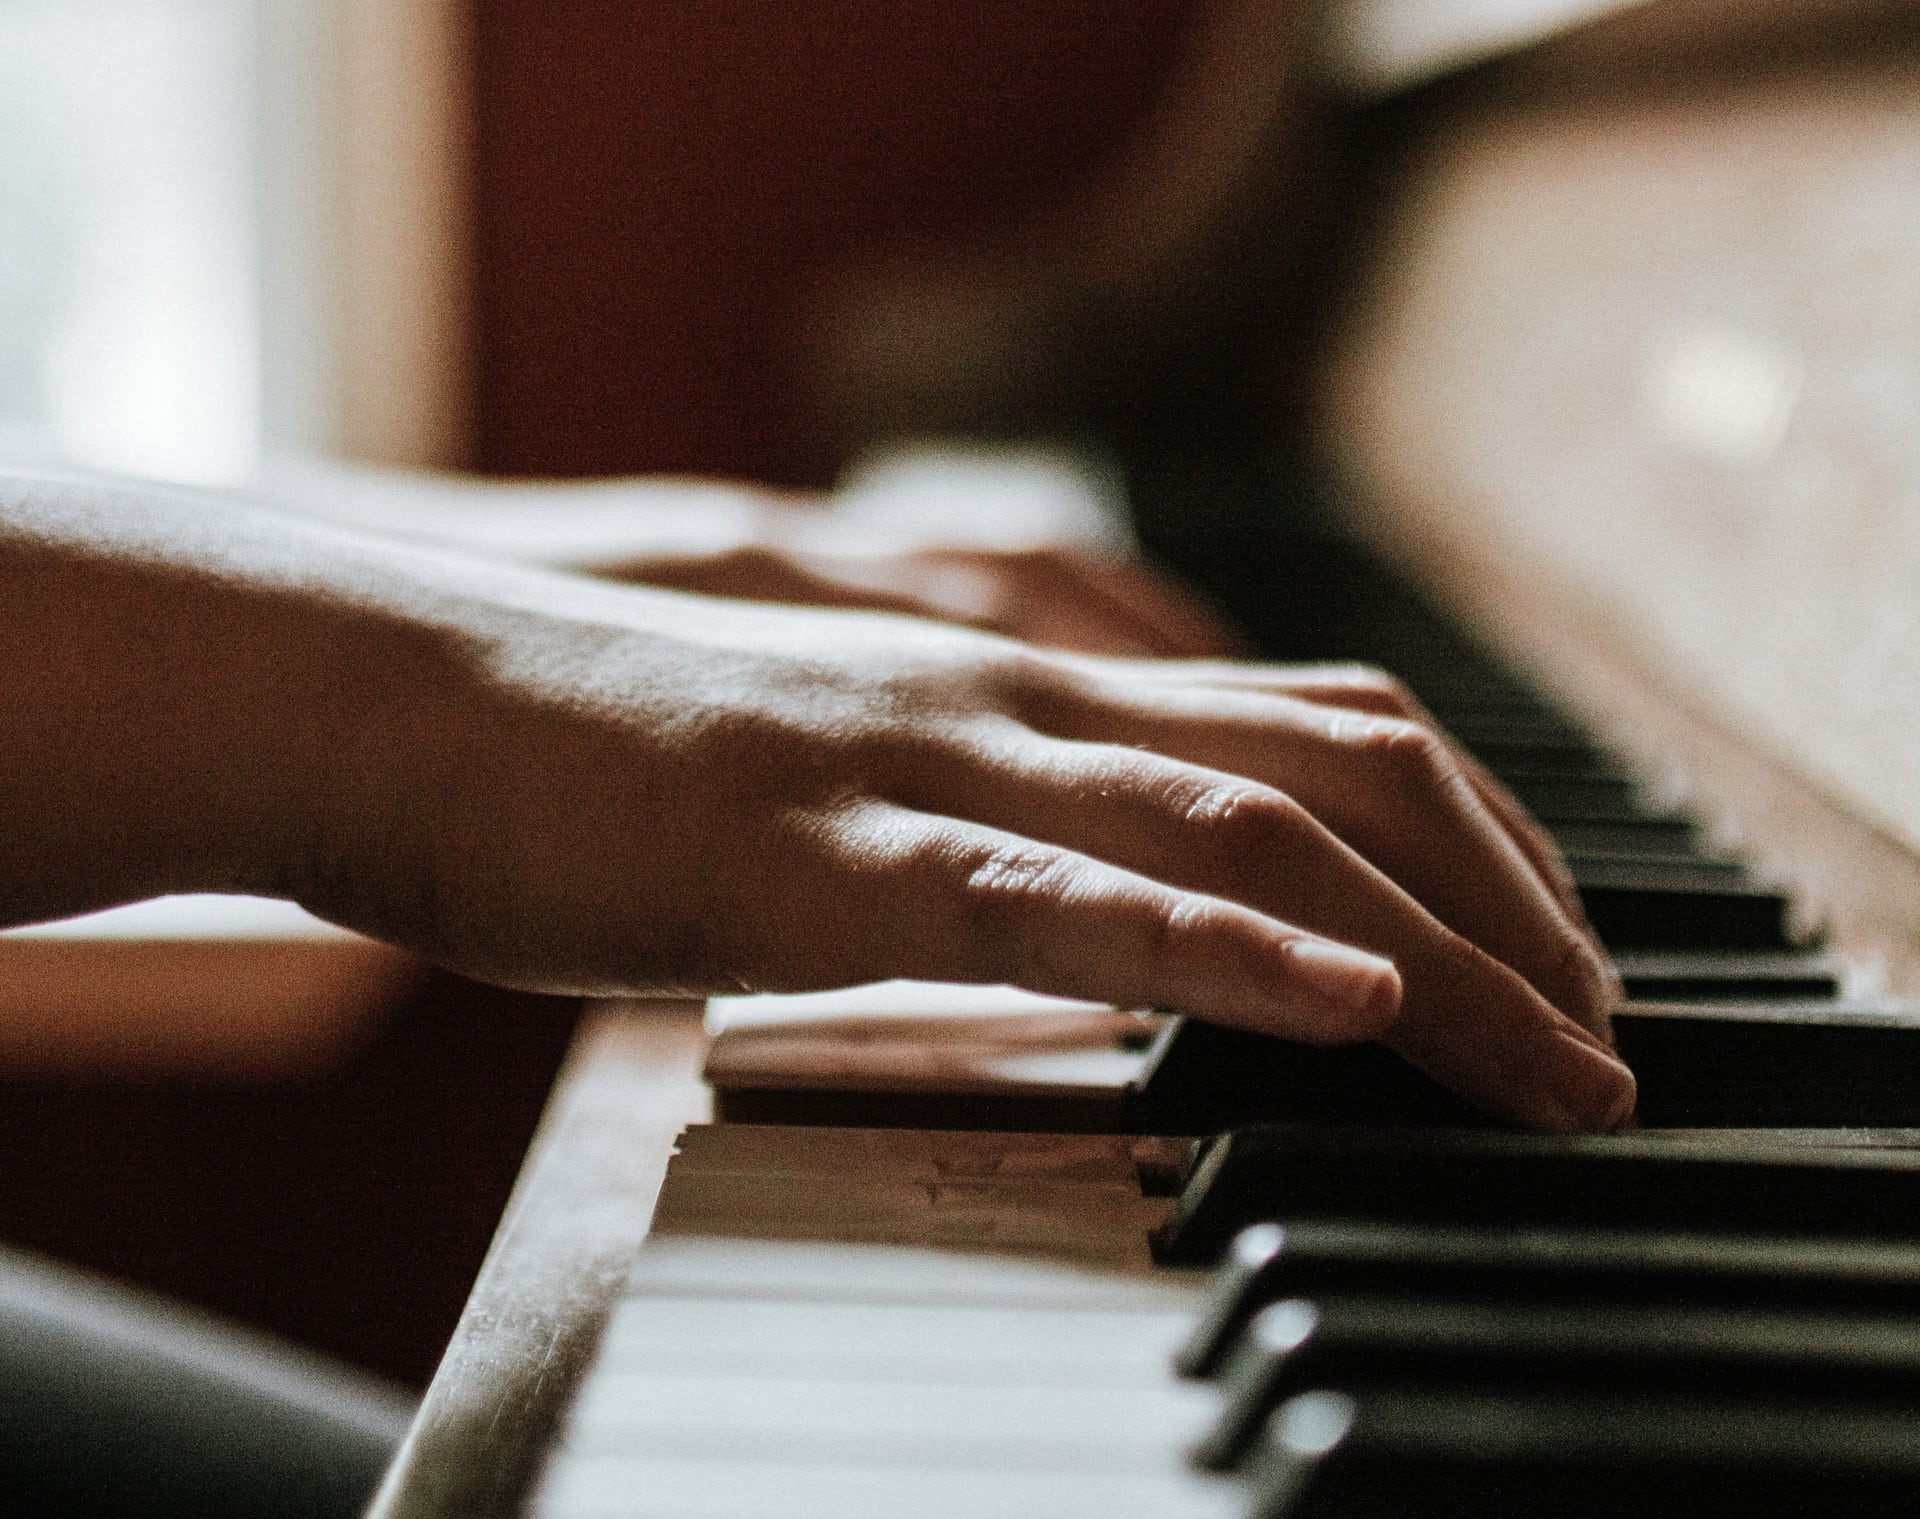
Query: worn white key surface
839	1346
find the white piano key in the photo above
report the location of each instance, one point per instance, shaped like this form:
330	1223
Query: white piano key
931	1154
1104	1226
993	1340
1006	1424
657	1333
887	1339
693	1265
740	1489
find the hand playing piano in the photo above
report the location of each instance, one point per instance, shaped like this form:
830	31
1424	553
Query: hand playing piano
725	798
566	784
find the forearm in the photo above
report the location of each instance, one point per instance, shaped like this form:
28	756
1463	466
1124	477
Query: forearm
197	691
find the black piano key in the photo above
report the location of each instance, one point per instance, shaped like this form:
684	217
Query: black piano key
1553	1349
1648	892
1309	1257
1734	1062
1486	1178
1274	1356
1713	976
1787	1064
1508	740
1543	753
1242	1284
1683	907
1326	1455
1579	799
1202	1078
1679	902
1669	834
1657	872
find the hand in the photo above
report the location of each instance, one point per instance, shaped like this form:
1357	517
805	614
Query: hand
559	783
1055	597
618	791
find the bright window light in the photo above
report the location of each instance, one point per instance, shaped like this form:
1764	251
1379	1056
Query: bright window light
128	287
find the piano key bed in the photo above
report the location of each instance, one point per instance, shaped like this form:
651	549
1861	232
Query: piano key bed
840	1322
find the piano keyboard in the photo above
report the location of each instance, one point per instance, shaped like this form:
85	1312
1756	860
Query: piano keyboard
1717	1316
863	1324
854	1323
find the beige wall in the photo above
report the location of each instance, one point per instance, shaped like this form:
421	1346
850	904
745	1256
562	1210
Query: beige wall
401	186
364	154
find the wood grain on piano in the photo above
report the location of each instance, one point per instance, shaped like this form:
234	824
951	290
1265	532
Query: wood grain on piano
563	1249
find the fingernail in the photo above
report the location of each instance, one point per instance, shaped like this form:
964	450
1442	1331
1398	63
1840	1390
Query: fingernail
1361	991
1592	1090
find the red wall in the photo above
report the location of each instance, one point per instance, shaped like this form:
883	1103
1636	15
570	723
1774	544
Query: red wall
662	183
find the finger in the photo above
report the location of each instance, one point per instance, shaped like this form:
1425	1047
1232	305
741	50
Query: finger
1163	618
1366	689
1466	1019
756	573
940	898
1391	789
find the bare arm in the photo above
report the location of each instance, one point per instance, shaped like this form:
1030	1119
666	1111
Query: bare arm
563	784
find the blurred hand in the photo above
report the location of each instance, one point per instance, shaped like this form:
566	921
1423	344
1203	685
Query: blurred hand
1056	597
723	538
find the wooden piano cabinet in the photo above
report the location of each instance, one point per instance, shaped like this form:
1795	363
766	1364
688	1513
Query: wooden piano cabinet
561	1255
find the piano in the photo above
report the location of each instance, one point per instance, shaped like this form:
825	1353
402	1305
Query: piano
1612	458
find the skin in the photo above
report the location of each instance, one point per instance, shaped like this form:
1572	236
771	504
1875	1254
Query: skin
570	785
721	538
1050	596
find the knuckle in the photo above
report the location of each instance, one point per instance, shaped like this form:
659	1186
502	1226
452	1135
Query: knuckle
1000	889
1037	687
1012	875
1412	755
1367	688
1236	809
1169	929
1243	828
1388	689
